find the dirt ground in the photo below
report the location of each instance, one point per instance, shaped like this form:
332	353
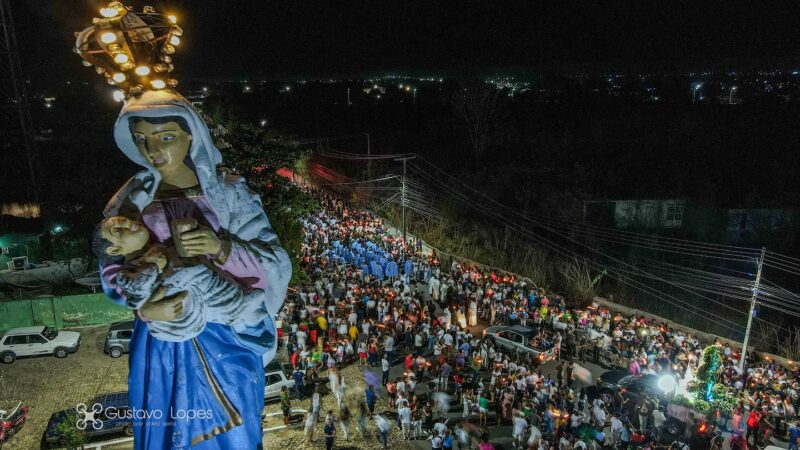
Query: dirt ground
48	384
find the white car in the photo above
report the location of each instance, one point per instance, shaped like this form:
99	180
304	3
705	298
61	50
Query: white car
275	381
518	339
38	340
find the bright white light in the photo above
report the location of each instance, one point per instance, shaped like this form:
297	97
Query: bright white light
118	96
108	37
666	383
109	12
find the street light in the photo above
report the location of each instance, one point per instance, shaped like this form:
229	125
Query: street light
694	91
730	98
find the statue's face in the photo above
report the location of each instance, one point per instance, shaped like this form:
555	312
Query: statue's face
164	145
126	236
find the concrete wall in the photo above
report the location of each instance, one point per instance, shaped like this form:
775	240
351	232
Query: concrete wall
60	312
701	335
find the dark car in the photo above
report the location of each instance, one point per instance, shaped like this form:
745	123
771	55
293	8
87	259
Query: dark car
118	339
632	386
107	414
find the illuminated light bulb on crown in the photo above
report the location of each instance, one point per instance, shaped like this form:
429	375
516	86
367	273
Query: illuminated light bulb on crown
121	58
108	37
175	40
158	84
168	49
160	67
119	77
172	82
118	95
143	71
172	19
176	31
99	70
136	90
166	58
109	12
127	66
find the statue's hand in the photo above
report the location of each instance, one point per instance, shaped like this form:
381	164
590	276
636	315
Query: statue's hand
200	242
155	255
163	308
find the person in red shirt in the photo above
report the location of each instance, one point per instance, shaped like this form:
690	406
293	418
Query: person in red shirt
409	362
753	421
313	336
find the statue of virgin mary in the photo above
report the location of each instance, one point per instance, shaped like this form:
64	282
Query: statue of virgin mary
205	391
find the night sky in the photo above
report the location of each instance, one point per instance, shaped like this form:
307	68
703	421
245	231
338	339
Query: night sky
299	38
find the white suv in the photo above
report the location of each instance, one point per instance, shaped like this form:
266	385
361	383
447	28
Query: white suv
39	340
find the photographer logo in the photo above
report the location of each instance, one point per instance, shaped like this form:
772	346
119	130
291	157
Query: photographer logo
87	416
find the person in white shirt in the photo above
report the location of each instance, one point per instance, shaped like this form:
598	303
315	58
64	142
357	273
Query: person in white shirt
405	420
433	288
535	436
616	430
401	387
519	425
439	428
599	413
659	419
383	426
301	338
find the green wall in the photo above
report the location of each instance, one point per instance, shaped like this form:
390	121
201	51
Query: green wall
60	312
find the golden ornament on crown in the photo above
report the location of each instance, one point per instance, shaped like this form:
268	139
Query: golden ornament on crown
133	50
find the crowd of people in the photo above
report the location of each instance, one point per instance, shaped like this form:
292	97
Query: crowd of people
374	299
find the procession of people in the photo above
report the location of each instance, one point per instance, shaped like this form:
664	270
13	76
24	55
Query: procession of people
375	300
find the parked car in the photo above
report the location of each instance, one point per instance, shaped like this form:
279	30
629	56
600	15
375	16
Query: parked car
277	366
38	340
111	417
518	339
118	339
275	381
11	421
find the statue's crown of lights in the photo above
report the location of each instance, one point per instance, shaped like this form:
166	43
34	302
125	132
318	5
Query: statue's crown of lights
133	50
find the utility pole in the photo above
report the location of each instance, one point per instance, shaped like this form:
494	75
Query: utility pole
18	151
753	299
403	192
369	153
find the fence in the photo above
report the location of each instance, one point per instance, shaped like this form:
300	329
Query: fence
60	312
